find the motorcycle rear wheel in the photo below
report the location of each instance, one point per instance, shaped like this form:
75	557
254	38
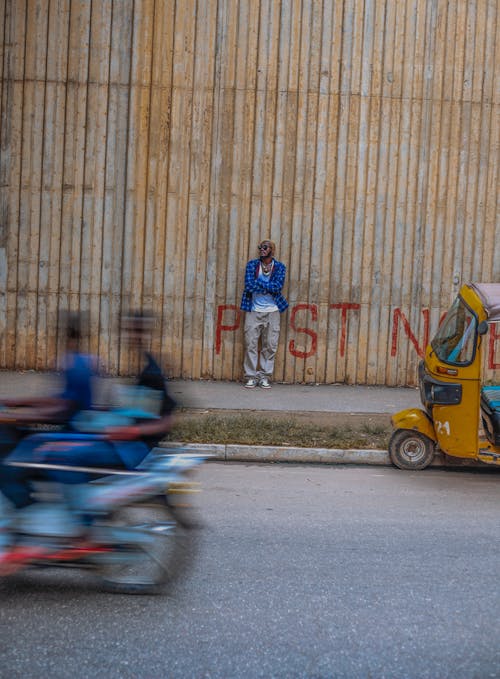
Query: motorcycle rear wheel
153	550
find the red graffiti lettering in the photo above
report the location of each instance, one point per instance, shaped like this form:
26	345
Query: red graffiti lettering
399	315
345	306
494	336
220	328
398	319
307	331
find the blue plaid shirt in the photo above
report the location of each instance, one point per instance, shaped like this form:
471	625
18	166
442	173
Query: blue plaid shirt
273	287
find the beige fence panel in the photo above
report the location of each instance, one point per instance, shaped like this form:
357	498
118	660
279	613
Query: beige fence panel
13	49
147	146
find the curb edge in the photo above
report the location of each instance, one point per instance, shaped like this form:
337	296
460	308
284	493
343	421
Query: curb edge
243	453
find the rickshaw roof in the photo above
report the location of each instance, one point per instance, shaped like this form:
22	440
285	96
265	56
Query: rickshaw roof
489	294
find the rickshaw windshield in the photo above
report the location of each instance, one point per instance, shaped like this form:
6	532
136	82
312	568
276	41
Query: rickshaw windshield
455	341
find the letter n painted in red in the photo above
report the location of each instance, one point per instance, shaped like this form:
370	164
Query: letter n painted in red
399	316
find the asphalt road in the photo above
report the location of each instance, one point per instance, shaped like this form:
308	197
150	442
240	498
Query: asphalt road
302	572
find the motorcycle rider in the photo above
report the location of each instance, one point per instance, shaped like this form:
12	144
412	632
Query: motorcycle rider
78	371
59	409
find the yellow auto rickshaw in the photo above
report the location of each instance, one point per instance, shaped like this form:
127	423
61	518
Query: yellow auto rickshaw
461	418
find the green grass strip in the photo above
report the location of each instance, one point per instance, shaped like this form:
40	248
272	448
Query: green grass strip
254	430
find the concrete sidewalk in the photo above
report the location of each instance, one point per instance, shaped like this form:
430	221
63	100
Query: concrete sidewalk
219	395
327	398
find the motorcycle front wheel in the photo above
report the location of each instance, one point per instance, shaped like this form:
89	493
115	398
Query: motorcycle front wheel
151	548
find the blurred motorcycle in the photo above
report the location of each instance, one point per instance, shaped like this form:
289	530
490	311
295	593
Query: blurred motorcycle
141	530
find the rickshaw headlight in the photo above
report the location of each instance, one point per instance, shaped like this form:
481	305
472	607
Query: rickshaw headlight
443	394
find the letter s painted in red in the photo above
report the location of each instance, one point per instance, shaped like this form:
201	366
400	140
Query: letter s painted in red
307	331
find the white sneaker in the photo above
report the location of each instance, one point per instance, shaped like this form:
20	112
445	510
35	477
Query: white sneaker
264	383
251	383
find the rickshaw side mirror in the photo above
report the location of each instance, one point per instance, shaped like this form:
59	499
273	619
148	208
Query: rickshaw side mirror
483	327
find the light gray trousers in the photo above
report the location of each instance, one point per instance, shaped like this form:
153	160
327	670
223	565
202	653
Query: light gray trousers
266	326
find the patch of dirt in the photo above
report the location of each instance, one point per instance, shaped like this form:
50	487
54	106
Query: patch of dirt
351	420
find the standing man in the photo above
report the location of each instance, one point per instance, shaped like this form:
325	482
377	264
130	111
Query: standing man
263	302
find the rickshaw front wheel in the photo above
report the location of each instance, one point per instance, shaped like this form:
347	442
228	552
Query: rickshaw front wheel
410	449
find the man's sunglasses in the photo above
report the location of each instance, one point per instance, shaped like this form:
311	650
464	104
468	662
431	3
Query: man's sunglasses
263	247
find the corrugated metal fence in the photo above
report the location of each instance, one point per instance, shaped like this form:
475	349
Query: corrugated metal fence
147	146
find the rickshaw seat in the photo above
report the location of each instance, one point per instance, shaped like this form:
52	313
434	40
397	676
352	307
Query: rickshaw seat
490	411
491	396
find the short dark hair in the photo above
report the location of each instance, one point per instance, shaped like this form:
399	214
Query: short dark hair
72	324
139	319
